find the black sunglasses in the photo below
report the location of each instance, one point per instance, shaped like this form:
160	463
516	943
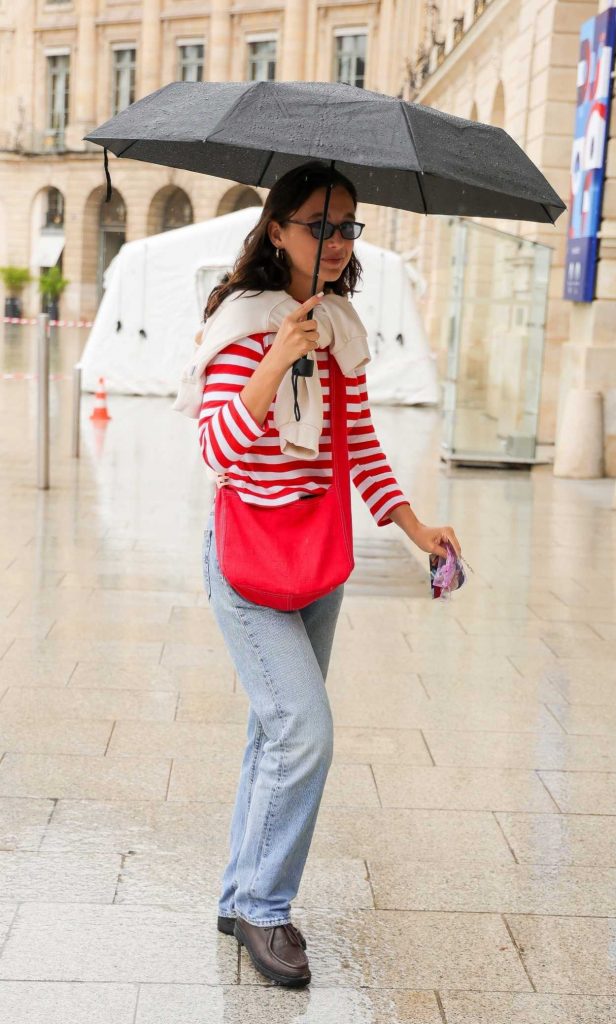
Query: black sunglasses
348	228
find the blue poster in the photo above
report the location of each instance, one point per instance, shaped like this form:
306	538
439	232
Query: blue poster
588	155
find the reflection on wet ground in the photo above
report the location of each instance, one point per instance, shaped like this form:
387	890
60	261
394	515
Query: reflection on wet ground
463	865
18	348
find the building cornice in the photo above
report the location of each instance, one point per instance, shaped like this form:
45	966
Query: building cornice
129	19
262	9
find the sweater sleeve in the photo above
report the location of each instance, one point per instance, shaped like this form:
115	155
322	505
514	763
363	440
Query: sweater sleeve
370	470
227	430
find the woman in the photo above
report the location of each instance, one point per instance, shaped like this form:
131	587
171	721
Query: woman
282	658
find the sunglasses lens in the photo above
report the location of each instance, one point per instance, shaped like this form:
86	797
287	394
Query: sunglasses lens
349	229
316	229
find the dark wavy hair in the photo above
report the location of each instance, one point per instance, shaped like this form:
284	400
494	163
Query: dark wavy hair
257	268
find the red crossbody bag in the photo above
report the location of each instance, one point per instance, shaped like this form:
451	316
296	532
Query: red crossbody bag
286	556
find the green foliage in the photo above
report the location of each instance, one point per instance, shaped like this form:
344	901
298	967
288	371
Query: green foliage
52	284
14	279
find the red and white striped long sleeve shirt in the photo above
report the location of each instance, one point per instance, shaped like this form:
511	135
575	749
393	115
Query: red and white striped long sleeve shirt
232	441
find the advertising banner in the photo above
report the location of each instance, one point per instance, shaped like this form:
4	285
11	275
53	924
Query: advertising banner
594	84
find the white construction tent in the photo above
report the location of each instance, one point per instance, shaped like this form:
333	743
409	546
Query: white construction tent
156	289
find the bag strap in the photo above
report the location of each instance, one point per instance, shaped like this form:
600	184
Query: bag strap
337	418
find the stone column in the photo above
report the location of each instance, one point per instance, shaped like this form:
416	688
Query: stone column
20	108
84	76
217	61
149	52
379	76
291	63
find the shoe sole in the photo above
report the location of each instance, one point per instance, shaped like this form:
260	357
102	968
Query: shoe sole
282	979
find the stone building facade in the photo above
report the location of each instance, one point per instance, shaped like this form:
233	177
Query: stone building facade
513	63
68	65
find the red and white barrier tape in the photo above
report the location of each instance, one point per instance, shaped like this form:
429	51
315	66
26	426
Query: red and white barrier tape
52	323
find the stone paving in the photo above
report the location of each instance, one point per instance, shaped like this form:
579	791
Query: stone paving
463	869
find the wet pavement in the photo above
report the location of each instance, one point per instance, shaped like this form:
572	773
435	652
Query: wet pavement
463	867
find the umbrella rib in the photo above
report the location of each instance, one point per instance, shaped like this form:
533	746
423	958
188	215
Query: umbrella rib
410	130
267	163
544	207
252	87
122	152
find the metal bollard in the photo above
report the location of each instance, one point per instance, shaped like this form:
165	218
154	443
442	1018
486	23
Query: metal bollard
43	402
76	409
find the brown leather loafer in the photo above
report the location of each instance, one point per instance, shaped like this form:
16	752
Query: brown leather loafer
226	925
276	952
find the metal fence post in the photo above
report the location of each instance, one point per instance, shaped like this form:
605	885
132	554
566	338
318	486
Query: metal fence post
43	402
76	409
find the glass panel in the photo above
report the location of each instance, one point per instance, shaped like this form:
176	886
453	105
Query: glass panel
123	79
498	288
57	95
350	60
110	243
54	214
113	213
190	60
262	61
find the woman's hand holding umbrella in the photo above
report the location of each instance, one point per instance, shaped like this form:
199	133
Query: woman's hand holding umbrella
297	335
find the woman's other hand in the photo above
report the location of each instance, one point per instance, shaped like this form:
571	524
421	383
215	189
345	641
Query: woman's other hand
221	479
431	538
428	538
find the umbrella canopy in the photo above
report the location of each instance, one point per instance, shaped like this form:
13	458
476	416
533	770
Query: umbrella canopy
404	155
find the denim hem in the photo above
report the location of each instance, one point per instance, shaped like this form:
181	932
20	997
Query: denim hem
264	924
230	917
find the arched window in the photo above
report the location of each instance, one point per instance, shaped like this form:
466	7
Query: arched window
47	227
112	233
113	213
239	197
177	211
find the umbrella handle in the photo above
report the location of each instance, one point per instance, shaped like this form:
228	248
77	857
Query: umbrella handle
304	367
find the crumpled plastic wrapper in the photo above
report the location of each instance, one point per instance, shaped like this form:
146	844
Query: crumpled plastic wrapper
447	573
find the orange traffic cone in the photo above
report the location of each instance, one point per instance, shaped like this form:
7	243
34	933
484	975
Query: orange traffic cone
100	407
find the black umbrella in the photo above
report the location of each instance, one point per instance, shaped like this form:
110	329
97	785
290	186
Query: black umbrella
405	155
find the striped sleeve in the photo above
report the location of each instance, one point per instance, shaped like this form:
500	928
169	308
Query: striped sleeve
370	471
227	430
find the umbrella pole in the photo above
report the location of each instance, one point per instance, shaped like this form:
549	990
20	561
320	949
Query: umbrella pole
315	277
304	367
315	273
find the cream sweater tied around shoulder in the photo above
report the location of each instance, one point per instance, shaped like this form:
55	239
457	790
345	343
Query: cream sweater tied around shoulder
241	314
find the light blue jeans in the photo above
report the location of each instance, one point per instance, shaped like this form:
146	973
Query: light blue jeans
281	659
